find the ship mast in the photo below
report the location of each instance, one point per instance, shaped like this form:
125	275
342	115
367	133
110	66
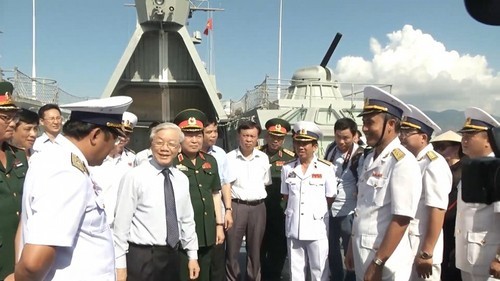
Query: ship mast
279	49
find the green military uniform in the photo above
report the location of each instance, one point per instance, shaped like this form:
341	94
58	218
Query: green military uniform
11	189
204	181
273	252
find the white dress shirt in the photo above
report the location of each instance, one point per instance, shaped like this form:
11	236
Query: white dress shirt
140	210
43	141
252	174
477	234
436	185
61	208
389	185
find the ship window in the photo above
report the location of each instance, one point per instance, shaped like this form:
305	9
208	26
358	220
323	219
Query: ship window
326	116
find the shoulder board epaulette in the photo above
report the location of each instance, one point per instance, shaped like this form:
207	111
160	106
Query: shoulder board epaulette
261	147
398	154
78	163
431	155
128	149
325	162
289	152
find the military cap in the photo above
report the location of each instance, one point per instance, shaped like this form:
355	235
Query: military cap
448	136
190	120
6	102
306	131
129	120
478	120
104	112
416	119
277	127
380	101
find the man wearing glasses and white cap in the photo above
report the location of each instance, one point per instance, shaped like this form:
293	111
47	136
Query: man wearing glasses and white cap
64	230
309	185
426	229
477	230
389	189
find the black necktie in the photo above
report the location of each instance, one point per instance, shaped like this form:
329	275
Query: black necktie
171	213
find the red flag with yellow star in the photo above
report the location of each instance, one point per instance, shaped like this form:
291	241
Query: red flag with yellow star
209	26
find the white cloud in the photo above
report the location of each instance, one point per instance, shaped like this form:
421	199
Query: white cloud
423	72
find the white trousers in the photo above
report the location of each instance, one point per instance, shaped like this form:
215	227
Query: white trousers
466	276
308	253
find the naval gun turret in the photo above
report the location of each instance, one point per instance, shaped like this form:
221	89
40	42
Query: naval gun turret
161	69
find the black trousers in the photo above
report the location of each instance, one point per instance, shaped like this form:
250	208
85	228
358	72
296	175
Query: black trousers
152	263
218	267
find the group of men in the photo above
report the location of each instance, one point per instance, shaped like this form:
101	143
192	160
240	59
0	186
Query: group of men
181	209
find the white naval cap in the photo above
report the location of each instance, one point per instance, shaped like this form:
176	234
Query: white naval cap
447	136
306	131
478	120
129	121
104	112
416	119
378	101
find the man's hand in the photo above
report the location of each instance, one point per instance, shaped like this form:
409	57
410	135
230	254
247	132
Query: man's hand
121	274
373	272
219	236
423	267
194	269
349	259
495	269
228	220
10	277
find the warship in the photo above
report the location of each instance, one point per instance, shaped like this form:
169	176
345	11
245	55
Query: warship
312	94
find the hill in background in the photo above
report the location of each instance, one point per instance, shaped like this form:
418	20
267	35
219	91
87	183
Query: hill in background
449	119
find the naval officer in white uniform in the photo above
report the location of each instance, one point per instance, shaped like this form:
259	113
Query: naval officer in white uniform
64	230
477	229
309	185
426	230
389	189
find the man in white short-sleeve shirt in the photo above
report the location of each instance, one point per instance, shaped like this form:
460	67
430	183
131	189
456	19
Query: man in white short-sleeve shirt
65	235
426	230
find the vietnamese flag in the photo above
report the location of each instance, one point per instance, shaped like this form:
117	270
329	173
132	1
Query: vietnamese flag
209	26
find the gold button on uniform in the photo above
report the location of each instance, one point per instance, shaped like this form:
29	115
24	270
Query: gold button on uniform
7	175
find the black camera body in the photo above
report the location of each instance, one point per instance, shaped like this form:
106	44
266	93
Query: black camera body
481	176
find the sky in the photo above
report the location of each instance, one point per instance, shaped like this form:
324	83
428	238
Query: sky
433	53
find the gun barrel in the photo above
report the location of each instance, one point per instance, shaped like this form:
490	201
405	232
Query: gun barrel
330	51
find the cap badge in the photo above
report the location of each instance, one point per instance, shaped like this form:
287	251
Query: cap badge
303	132
278	127
192	121
468	121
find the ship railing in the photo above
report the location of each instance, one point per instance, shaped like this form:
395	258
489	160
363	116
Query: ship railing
271	94
37	91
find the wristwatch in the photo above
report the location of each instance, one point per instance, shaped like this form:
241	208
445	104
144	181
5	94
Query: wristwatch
424	255
378	261
229	209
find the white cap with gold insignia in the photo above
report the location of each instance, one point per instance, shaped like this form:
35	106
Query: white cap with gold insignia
129	120
478	120
416	119
104	112
306	131
380	101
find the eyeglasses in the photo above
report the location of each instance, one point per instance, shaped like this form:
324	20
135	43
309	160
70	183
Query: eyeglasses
9	118
53	119
407	134
160	144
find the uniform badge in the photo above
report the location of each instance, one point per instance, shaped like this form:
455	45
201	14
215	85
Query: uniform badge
206	166
181	167
280	163
432	155
317	176
18	163
292	175
77	163
377	174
